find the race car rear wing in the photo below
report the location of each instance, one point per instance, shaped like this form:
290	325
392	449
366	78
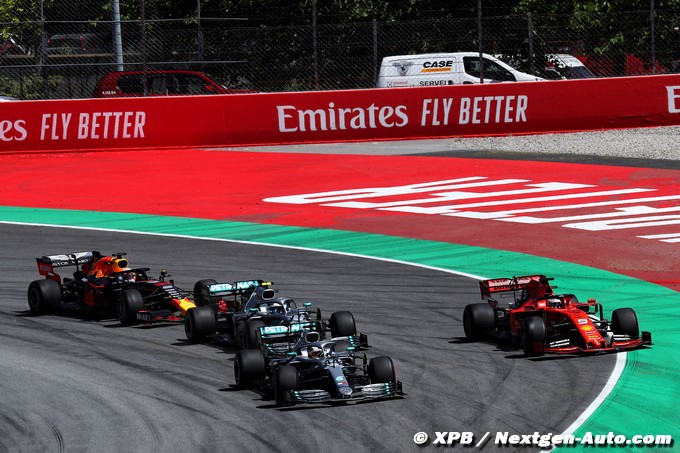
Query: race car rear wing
47	263
67	259
236	288
500	285
280	339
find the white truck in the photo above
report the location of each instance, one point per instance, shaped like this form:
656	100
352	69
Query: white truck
436	69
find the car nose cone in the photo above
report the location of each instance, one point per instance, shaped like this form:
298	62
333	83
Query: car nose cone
345	391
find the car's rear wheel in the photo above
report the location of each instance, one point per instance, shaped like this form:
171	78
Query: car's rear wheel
201	293
285	380
249	367
381	370
128	303
200	324
625	322
533	336
478	320
44	296
342	324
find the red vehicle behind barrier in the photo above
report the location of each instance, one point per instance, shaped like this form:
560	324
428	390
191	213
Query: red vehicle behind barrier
548	323
167	82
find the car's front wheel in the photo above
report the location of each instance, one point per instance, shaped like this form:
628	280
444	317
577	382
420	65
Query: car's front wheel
285	380
249	367
381	370
342	324
200	324
533	336
253	337
128	303
625	322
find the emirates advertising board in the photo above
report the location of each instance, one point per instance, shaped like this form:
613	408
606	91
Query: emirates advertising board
336	116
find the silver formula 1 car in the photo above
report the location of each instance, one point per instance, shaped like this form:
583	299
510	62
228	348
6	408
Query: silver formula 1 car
318	371
234	313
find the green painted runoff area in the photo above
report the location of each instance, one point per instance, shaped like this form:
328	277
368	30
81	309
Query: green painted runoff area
644	400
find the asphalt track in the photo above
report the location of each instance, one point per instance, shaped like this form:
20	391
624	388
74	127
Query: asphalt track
70	384
73	384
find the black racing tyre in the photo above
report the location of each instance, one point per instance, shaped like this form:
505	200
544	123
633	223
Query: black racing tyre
625	322
342	324
200	324
478	319
381	370
533	336
128	303
253	333
284	380
201	296
44	296
249	367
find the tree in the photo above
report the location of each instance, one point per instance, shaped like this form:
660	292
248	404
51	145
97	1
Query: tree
611	29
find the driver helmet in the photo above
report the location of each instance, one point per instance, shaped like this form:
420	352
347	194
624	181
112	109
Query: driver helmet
555	302
129	276
314	352
276	308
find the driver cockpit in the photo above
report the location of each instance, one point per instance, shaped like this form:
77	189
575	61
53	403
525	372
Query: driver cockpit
309	346
272	308
555	302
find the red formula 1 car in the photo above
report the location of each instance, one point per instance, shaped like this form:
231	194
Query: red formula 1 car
548	323
106	286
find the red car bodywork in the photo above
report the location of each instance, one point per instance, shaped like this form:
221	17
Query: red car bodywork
166	82
570	326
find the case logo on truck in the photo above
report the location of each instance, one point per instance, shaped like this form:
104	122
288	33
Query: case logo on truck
437	66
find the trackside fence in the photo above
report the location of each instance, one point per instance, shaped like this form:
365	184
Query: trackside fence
60	50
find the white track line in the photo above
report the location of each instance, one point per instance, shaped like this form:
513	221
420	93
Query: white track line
599	399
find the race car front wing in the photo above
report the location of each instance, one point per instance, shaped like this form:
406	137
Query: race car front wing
620	343
155	316
365	392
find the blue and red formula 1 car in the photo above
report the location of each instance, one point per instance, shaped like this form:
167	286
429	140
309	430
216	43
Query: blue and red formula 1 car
547	323
104	286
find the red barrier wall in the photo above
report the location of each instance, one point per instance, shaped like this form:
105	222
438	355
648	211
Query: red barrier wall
331	116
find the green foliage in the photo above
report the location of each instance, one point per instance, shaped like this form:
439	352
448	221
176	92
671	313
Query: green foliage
267	44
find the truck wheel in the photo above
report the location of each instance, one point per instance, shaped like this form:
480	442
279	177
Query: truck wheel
44	296
533	336
381	370
201	293
625	322
478	319
342	324
249	367
284	380
128	303
253	338
200	324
